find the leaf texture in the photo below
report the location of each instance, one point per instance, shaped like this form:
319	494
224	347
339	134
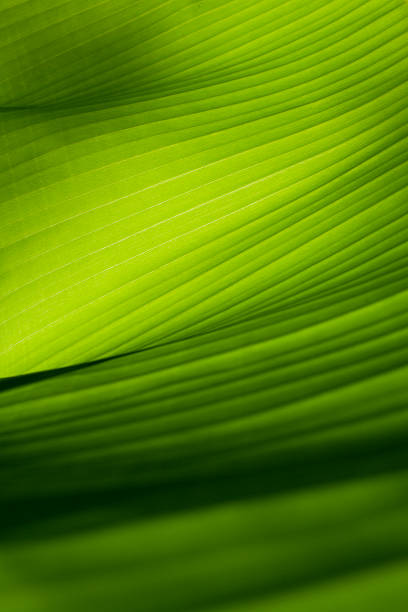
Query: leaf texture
204	305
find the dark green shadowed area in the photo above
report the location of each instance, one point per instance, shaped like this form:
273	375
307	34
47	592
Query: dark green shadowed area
204	306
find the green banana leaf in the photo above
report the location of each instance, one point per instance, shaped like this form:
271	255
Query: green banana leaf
204	305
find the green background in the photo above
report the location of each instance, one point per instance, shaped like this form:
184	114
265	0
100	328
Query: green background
204	305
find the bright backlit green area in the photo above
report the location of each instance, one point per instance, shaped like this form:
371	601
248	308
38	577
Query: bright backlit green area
204	305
